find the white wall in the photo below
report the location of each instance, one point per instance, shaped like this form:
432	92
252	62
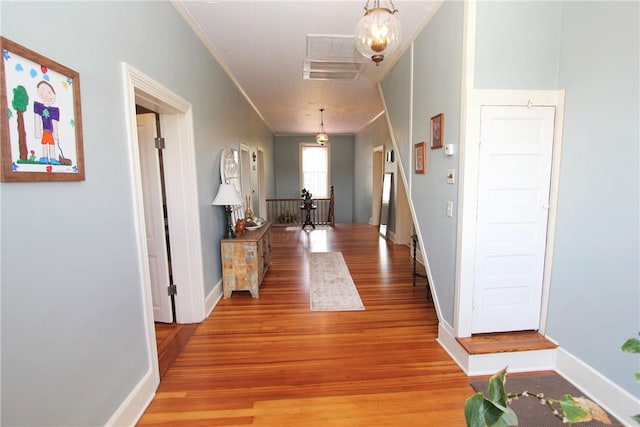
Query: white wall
72	328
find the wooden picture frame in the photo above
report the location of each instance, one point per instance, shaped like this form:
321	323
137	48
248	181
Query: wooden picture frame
437	131
41	138
420	158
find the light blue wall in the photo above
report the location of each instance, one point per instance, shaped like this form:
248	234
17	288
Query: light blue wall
517	44
595	289
374	135
590	49
73	343
396	88
287	170
437	78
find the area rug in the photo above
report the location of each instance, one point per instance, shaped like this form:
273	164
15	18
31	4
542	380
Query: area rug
529	410
331	287
309	228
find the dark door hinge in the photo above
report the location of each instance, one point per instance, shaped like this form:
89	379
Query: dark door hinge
159	143
172	289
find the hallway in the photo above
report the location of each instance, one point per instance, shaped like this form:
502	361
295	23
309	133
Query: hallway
270	361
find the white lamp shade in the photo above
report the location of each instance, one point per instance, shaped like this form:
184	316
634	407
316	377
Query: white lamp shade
227	196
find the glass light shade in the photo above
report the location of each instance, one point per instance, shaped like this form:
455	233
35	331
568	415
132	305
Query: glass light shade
322	138
377	34
227	196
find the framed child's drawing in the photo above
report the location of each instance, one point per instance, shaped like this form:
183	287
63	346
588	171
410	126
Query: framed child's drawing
41	127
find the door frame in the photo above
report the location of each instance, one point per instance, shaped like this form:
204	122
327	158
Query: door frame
182	201
468	196
262	189
377	173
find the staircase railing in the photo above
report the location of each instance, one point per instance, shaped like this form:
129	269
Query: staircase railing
283	212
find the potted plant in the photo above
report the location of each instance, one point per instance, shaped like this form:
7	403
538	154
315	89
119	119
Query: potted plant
306	196
494	410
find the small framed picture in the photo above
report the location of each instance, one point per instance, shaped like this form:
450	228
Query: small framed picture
41	128
420	157
437	131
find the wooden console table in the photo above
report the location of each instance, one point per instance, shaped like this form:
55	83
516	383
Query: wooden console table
245	260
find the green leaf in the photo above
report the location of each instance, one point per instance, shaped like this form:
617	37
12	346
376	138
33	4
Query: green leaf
632	345
474	411
638	377
637	418
500	416
571	410
496	388
480	412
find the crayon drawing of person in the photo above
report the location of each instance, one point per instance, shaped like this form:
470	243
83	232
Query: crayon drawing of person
46	122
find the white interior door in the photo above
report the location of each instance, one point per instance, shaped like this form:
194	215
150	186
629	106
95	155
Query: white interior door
513	203
154	218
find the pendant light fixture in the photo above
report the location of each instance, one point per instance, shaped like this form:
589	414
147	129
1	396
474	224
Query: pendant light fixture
322	137
378	32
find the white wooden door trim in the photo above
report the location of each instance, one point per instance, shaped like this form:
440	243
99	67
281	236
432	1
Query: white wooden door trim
176	120
468	195
177	123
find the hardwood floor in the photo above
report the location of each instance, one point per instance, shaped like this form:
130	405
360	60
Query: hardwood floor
170	340
272	362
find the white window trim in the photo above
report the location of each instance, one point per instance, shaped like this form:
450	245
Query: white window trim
301	171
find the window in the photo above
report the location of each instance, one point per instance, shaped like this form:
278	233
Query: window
314	166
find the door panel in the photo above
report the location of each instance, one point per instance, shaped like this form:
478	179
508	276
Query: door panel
513	195
154	218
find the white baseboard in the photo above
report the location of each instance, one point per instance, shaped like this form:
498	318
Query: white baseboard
447	340
515	361
211	300
611	397
135	404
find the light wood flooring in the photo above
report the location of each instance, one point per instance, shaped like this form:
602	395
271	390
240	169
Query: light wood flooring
272	362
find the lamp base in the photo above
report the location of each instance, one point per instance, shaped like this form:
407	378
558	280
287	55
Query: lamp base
229	234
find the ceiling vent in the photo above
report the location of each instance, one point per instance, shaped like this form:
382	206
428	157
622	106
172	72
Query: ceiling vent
332	58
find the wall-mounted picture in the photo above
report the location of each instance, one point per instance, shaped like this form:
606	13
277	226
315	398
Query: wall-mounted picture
420	157
42	133
437	131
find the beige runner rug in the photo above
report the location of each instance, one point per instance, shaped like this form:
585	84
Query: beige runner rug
331	287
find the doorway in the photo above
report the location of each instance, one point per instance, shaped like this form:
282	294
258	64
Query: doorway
377	171
182	207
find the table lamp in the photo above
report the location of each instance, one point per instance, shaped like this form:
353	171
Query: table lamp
227	196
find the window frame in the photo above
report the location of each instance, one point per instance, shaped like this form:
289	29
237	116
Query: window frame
301	147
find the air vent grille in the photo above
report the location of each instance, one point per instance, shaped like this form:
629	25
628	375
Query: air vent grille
331	58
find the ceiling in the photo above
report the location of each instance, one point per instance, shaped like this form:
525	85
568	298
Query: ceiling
263	46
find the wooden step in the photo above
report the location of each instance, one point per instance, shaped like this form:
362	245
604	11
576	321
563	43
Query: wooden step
505	342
